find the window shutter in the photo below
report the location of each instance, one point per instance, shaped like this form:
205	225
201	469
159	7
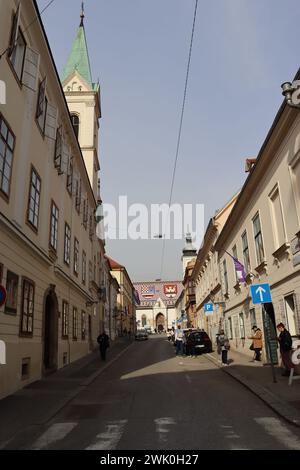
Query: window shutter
31	67
282	311
51	122
15	30
297	313
66	158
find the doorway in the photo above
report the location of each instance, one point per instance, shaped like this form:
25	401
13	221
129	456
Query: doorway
270	332
160	322
50	330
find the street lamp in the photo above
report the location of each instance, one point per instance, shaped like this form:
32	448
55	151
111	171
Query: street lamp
291	92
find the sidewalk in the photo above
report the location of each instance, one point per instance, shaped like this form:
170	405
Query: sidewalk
282	398
37	403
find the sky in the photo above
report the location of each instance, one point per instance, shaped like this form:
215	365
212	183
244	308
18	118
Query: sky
243	50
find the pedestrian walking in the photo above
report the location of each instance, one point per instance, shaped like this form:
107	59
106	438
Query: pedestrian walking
285	344
103	341
179	341
223	347
256	345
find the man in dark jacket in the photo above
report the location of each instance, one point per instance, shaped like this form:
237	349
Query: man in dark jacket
103	341
285	343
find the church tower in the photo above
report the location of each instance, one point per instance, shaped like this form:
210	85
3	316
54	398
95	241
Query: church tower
83	98
189	252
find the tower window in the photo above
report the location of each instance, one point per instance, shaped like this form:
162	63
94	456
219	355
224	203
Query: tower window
75	123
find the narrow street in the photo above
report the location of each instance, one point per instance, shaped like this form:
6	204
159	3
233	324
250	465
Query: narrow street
151	399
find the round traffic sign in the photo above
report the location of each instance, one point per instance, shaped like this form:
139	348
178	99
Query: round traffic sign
2	295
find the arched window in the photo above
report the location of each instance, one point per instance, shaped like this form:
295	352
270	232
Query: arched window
144	320
75	123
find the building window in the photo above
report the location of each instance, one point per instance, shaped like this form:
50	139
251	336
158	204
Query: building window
83	267
41	111
90	272
67	246
85	213
91	228
83	325
17	54
76	256
246	252
25	368
230	329
65	319
260	254
75	323
78	195
34	199
235	255
70	177
58	149
26	327
277	219
12	281
144	320
7	145
242	325
75	123
54	226
252	318
225	276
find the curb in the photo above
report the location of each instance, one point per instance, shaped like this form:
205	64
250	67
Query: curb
93	377
285	411
84	384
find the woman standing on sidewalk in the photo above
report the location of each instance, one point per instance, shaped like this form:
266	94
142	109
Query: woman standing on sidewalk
223	347
256	345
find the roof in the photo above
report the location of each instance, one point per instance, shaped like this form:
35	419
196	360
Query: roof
79	59
150	292
114	264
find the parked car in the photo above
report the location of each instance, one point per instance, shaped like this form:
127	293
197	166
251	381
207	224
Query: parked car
199	341
141	335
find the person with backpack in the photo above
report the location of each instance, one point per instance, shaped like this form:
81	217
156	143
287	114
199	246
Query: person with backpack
103	341
285	344
223	347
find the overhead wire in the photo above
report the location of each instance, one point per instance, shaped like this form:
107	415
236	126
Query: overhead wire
180	129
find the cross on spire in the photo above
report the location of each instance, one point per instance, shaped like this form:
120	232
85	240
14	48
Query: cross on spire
82	14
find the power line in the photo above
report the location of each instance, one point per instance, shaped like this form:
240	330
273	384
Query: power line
180	128
30	24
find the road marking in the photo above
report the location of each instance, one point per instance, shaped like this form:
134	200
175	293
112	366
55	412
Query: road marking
109	439
163	427
276	429
188	378
55	433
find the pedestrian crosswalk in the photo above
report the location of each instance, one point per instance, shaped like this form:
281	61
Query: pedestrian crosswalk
165	431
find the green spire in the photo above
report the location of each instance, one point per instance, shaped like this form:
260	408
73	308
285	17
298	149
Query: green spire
79	56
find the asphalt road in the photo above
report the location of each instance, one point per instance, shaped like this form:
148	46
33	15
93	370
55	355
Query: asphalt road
151	399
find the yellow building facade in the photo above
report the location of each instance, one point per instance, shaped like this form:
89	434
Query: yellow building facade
49	252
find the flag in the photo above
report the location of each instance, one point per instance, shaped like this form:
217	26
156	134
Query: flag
239	268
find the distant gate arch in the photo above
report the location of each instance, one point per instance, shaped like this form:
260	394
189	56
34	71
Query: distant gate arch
160	322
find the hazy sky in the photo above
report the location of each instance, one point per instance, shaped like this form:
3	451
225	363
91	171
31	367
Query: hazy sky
243	51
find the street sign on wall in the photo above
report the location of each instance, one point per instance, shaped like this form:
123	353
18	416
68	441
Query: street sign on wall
261	293
208	308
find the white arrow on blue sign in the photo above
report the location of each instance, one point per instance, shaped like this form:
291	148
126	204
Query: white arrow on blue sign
261	293
208	308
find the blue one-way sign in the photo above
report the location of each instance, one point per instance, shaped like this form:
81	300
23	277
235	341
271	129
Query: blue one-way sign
261	293
208	308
